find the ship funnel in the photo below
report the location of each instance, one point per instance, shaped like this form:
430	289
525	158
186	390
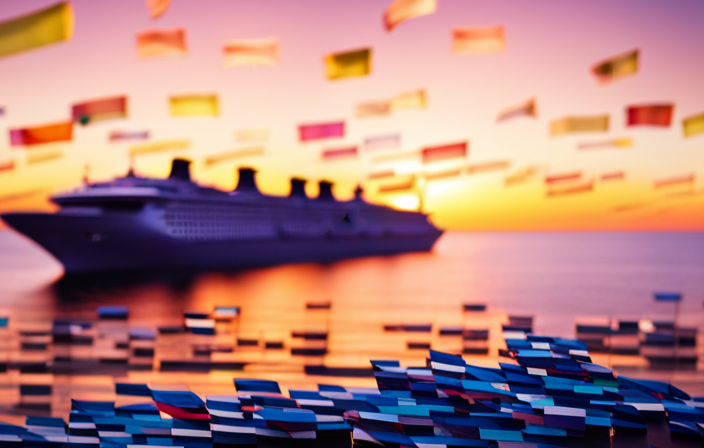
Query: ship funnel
298	188
180	170
246	182
325	193
358	192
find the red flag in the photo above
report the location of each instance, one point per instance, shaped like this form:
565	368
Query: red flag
435	153
98	110
7	165
309	132
564	177
338	153
679	180
59	132
574	189
651	115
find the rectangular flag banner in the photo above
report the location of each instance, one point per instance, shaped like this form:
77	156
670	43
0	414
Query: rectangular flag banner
649	115
563	177
572	189
308	132
162	145
479	40
614	175
194	105
236	154
685	179
488	166
693	125
7	165
119	135
520	176
381	174
594	123
251	52
348	64
157	7
37	29
616	67
59	132
161	43
443	175
403	186
339	153
381	142
252	135
524	110
44	156
668	296
444	152
99	110
374	109
607	144
409	100
402	10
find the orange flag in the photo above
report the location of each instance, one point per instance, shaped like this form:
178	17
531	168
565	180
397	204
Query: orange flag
252	52
161	43
479	40
402	10
37	135
157	7
444	152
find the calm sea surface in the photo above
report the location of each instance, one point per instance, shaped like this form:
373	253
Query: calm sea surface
555	277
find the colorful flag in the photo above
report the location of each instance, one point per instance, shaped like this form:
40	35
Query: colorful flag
161	43
339	153
668	296
59	132
381	142
402	10
252	52
693	125
7	165
163	145
442	174
409	100
685	179
572	189
563	177
194	105
616	67
479	40
614	175
348	64
157	7
594	123
37	29
308	132
381	174
119	135
43	156
99	110
607	144
374	109
488	166
236	154
520	176
252	135
651	115
395	157
436	153
528	110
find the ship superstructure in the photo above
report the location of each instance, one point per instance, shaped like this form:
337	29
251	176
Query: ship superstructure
136	223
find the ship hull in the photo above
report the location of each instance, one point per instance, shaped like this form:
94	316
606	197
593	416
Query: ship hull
87	244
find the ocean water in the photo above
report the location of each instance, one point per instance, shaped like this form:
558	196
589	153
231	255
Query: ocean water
555	277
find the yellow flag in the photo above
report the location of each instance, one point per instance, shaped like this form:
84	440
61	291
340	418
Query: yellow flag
236	154
163	145
693	125
44	156
594	123
349	64
409	100
47	26
194	105
616	67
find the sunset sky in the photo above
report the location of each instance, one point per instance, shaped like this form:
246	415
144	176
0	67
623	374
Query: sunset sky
551	46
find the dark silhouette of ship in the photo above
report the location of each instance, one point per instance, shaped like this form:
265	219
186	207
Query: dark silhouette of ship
138	223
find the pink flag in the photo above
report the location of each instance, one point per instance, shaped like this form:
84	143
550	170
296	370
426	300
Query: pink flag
652	115
119	135
444	152
308	132
614	175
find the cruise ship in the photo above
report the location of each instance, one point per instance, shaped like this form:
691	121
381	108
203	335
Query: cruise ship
137	223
